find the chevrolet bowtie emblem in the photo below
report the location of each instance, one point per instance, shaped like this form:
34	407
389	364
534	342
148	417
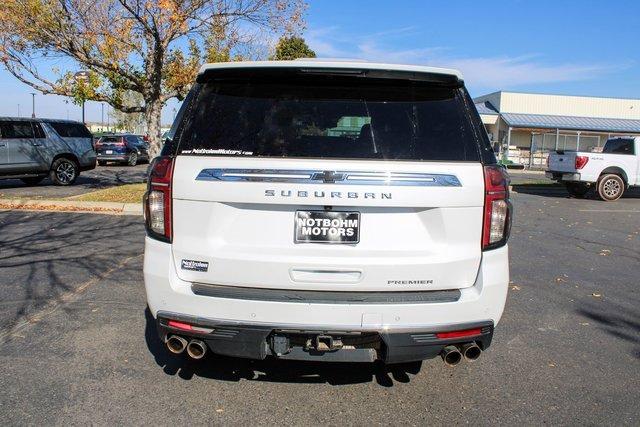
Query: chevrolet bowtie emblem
327	176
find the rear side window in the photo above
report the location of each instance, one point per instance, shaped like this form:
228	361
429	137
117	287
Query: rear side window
71	130
16	129
619	146
322	117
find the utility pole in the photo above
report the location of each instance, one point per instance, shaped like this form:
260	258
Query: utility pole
19	110
102	117
82	76
33	105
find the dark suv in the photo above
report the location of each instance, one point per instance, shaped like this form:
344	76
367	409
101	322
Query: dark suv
32	149
124	148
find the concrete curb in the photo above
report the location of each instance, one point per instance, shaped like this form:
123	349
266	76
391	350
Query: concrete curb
112	208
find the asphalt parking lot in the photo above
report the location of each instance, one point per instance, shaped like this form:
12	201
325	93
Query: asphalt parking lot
99	178
77	345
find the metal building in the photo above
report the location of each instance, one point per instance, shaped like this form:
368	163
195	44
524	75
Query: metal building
525	127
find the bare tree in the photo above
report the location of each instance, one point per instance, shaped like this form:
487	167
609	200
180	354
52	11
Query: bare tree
150	47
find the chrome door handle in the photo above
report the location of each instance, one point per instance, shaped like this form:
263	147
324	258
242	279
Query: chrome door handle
3	145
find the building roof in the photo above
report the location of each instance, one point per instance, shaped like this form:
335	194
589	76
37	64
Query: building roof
330	63
570	95
486	108
571	123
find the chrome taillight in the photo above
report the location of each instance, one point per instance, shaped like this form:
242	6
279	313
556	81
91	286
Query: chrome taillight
157	200
497	208
156	211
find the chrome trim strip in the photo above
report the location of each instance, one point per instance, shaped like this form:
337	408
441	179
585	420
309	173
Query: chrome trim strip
325	297
329	177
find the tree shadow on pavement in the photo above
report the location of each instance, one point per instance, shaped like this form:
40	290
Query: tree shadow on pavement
623	324
272	370
45	258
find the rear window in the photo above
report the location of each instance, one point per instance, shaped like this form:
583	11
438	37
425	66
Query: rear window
619	146
331	118
110	139
71	130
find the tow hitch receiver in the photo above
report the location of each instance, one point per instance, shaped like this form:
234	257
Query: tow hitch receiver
325	343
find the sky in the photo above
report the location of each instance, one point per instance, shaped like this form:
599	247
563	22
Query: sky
563	47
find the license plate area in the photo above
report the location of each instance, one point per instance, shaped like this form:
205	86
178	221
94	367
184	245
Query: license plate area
327	227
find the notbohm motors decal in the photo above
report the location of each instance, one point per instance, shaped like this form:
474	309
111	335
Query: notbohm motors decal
189	264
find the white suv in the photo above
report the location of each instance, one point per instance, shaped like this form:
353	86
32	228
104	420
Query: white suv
333	211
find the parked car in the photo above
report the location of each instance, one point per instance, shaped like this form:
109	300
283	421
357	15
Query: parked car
125	148
32	149
336	211
610	172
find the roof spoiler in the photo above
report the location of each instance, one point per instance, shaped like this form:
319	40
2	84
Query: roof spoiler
283	73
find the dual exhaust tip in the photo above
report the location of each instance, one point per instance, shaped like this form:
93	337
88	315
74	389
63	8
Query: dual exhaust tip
452	355
176	344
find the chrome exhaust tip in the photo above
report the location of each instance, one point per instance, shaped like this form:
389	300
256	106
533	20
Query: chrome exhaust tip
175	344
471	352
451	355
196	349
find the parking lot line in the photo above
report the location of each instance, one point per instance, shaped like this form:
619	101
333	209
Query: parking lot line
610	210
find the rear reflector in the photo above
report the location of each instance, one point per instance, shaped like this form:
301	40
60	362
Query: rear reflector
179	325
459	334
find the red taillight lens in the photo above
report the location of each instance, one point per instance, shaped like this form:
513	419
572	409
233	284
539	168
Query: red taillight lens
459	334
158	198
497	208
581	161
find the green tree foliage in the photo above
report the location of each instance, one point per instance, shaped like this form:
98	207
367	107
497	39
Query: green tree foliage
133	49
292	47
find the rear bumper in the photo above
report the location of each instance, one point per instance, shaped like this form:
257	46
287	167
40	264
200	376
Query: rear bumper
405	329
563	176
256	341
87	161
113	157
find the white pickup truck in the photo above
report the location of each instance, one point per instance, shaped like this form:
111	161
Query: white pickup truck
610	172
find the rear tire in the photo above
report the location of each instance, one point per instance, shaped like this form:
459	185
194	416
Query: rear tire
64	171
610	187
577	189
33	180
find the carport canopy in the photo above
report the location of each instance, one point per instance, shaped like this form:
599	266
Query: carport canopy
604	125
